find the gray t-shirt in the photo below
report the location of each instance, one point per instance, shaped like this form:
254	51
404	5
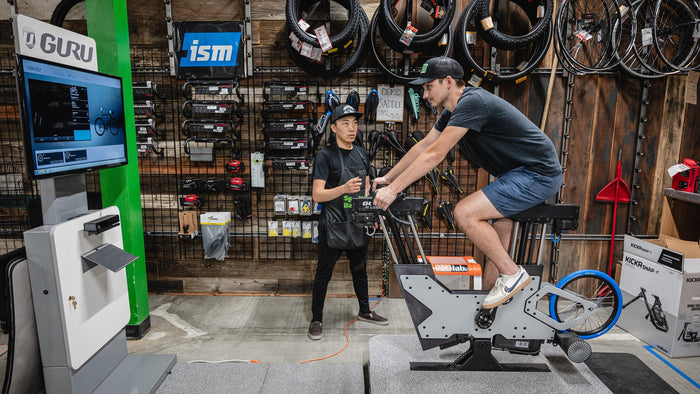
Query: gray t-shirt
500	138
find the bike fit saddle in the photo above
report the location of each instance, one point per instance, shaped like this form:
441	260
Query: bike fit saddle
432	177
445	210
353	99
449	176
375	140
426	215
371	103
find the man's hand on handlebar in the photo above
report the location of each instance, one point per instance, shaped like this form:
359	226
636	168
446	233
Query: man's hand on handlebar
381	181
384	197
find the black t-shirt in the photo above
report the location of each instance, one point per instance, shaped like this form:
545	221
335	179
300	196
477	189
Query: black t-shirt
328	168
500	137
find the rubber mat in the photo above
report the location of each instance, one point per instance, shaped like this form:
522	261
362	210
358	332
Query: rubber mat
625	373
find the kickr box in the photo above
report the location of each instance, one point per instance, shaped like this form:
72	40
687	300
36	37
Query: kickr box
660	283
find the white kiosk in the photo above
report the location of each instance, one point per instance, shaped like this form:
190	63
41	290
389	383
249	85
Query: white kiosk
76	260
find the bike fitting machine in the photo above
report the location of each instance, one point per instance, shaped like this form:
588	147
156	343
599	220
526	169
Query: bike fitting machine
586	302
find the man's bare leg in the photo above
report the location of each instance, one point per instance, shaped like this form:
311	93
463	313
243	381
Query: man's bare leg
471	215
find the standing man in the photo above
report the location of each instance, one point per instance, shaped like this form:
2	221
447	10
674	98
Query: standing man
341	171
501	140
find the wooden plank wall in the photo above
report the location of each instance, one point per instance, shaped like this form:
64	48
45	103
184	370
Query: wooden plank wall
604	119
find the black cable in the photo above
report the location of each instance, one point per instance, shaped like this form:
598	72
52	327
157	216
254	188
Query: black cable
59	13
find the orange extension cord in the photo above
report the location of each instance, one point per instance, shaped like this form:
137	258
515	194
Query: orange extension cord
347	338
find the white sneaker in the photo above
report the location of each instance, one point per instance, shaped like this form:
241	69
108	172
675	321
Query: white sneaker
506	286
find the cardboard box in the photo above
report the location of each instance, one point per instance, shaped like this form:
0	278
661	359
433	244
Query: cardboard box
660	280
188	224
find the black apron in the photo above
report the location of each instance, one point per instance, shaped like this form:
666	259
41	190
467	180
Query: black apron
341	231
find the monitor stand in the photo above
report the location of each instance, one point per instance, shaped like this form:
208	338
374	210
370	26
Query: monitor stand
63	197
110	368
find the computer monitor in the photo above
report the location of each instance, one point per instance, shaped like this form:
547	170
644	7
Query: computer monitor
72	119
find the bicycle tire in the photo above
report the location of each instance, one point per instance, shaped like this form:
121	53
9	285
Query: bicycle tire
112	127
464	54
401	79
99	126
319	68
500	40
589	285
596	54
293	9
644	49
391	32
61	11
687	51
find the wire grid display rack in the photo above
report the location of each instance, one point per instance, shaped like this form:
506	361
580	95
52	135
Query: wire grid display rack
161	173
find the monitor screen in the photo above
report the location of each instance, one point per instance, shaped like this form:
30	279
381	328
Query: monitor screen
73	119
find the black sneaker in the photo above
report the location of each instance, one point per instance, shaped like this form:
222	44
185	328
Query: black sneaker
315	330
373	318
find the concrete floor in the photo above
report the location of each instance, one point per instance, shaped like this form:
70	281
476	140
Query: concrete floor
273	329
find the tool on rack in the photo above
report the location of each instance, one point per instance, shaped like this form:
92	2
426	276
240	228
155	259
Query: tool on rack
616	192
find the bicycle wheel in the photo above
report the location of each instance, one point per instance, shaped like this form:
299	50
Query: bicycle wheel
99	126
596	287
672	31
112	126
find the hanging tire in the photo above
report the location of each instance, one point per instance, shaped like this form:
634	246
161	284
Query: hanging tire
294	8
501	40
61	11
392	33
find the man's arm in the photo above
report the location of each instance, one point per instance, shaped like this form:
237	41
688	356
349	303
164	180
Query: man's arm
424	162
407	159
321	194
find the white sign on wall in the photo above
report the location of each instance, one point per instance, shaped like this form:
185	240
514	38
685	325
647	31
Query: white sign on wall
48	42
390	108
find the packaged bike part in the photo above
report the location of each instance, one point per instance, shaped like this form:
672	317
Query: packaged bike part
305	205
190	185
235	166
314	232
191	201
306	230
237	185
257	169
273	228
188	224
280	204
242	207
287	228
145	126
287	125
212	185
317	208
296	229
292	205
215	234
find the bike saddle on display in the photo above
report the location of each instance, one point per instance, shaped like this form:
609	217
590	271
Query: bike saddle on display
413	139
353	99
413	101
449	176
375	140
392	139
432	176
445	210
332	100
371	103
426	215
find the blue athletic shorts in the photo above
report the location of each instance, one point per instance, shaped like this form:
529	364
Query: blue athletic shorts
520	189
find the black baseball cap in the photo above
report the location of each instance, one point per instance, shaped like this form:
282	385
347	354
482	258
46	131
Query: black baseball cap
439	67
344	110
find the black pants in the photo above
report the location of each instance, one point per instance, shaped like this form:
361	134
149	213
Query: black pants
327	257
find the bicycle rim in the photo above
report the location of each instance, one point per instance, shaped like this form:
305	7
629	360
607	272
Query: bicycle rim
593	286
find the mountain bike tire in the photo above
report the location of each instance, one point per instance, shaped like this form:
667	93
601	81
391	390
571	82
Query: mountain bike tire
594	286
391	32
398	78
500	40
465	55
294	8
62	9
319	68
